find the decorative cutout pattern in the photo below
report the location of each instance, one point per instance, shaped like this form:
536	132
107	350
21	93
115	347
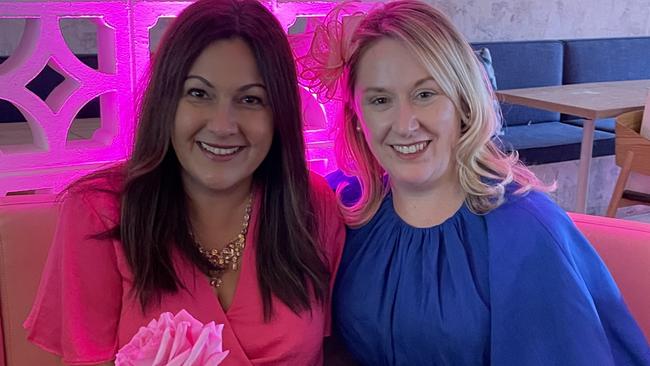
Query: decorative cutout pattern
123	28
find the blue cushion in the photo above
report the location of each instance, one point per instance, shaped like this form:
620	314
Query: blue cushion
607	125
605	59
551	142
485	58
608	59
513	67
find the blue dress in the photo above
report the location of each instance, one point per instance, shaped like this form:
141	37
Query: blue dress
518	286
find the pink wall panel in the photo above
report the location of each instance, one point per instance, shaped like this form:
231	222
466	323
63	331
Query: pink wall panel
123	28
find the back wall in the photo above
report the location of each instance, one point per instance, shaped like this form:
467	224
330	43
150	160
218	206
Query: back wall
479	20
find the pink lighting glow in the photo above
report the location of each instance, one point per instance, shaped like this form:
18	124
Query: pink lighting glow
123	44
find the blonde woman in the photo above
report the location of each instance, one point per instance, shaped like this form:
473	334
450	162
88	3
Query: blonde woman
454	255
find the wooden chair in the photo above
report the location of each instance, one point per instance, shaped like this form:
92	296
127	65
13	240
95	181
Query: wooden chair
632	155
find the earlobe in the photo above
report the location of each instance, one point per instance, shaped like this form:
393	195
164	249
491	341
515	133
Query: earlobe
353	112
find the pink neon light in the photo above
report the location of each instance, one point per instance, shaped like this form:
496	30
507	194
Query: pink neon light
123	54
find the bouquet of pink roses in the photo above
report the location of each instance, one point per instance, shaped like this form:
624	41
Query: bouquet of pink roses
174	340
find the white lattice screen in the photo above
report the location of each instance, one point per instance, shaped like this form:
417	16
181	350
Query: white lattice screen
58	153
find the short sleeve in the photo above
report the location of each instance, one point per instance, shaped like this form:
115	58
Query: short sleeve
331	234
77	307
552	300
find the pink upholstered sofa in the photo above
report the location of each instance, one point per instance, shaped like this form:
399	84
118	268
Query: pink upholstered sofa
27	225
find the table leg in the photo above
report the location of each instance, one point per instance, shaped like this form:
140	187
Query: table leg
586	151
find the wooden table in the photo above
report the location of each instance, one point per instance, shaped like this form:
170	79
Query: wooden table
590	101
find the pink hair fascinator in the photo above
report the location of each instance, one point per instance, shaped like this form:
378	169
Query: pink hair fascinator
322	69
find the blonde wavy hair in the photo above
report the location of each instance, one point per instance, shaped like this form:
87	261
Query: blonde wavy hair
484	170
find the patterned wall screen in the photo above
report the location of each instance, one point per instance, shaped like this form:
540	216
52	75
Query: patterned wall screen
55	141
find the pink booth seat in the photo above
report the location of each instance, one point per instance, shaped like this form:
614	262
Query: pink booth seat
27	225
624	246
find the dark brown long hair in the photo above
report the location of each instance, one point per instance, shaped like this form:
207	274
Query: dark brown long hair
154	220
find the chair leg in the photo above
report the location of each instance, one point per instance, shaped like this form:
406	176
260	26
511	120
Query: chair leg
620	184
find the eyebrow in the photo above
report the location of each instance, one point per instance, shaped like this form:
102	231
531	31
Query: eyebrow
374	89
422	81
243	88
377	89
250	86
202	79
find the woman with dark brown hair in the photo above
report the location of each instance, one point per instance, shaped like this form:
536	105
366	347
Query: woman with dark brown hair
215	212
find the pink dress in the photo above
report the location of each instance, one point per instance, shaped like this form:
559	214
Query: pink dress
84	311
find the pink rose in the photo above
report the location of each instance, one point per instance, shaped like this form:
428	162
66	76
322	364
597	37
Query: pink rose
174	340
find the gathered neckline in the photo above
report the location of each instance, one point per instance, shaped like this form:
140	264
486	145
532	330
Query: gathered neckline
389	203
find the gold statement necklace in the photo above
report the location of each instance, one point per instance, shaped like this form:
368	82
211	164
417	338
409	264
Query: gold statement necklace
229	257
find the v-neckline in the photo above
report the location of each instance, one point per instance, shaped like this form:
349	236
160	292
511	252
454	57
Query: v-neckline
244	282
243	274
247	260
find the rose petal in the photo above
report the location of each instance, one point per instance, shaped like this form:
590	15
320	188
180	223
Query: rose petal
184	316
191	324
164	349
174	340
181	343
180	359
207	347
215	358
